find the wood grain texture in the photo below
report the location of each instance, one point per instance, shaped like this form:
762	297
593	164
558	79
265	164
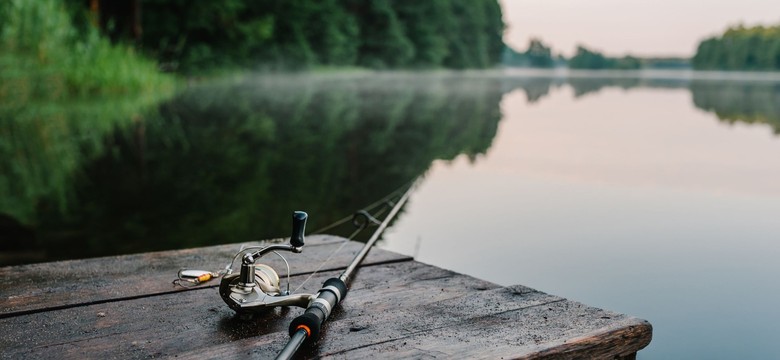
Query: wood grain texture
196	321
393	310
55	285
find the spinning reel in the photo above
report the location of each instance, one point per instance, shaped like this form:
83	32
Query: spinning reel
256	288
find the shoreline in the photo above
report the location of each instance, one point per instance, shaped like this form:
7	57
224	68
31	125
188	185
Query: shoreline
655	74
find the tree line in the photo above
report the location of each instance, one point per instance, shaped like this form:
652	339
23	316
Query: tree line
589	59
540	55
304	33
740	48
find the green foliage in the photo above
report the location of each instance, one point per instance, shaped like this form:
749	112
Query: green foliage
740	102
43	144
740	48
205	35
593	60
587	59
306	33
383	41
627	62
666	63
428	25
469	41
538	55
494	31
221	163
338	36
43	55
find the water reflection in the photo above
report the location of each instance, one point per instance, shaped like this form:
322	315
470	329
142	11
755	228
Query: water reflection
740	102
630	199
735	101
43	146
227	162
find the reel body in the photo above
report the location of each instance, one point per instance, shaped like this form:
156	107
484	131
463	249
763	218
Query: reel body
257	287
264	294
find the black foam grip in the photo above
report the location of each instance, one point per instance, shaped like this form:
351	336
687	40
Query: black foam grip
312	319
316	314
338	284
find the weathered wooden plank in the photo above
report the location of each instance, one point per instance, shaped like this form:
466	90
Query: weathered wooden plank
498	323
620	339
36	287
172	323
540	327
399	309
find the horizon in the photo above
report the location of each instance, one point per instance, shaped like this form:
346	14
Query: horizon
594	24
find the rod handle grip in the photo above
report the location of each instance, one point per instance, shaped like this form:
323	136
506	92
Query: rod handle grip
331	294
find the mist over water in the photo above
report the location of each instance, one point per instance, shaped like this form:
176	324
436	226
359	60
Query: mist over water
228	162
654	195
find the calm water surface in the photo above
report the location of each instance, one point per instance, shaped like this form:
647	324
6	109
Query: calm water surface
656	197
635	200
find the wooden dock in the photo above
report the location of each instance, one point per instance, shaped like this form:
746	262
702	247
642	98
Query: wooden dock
126	307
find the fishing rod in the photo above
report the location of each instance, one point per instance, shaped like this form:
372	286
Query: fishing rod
307	326
256	288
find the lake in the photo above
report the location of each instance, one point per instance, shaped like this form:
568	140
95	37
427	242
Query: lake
653	194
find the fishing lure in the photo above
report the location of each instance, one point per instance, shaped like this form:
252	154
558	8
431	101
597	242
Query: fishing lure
194	277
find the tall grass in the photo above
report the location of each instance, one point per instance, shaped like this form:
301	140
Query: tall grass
42	55
63	91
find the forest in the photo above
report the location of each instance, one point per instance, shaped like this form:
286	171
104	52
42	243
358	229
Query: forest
740	48
539	55
295	34
593	60
63	48
96	90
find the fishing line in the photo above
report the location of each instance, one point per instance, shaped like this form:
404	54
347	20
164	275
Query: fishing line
307	326
190	278
360	228
256	288
368	207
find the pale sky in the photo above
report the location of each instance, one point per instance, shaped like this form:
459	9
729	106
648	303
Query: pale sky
639	27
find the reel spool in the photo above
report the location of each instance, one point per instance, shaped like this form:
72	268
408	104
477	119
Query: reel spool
257	287
267	279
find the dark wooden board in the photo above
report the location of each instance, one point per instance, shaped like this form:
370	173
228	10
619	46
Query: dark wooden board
171	323
37	287
400	309
499	323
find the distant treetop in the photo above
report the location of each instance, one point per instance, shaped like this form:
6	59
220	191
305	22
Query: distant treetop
288	34
740	48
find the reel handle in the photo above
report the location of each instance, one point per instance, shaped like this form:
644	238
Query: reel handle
299	227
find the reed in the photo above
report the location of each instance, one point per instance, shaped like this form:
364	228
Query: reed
44	56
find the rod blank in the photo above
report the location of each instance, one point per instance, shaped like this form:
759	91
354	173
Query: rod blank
307	326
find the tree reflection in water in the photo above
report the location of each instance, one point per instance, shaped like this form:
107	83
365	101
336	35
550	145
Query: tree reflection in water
228	162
